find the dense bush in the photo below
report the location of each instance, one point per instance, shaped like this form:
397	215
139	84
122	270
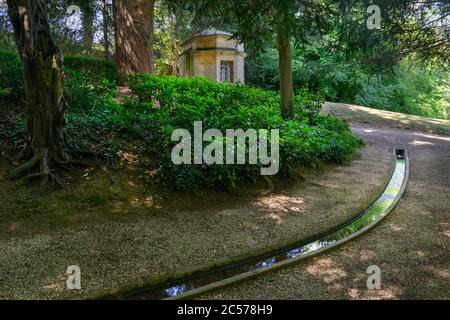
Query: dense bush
413	90
315	70
308	105
161	104
83	93
96	69
92	120
79	73
11	80
177	102
89	89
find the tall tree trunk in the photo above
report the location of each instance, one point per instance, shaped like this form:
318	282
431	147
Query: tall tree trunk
285	60
133	25
88	26
43	82
285	70
105	13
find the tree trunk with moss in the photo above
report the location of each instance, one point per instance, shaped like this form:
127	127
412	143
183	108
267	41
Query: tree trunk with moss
43	83
133	25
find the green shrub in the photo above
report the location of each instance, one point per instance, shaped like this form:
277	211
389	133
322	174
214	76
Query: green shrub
308	105
161	104
317	70
96	69
11	80
3	92
409	89
93	120
376	93
94	130
90	102
173	102
81	73
82	93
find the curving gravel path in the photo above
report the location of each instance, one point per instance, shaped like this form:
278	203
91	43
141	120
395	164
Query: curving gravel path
115	254
411	246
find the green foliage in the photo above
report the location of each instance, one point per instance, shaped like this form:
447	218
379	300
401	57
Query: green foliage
410	89
3	93
79	73
89	90
312	68
11	80
83	93
308	105
94	130
92	120
96	122
96	69
172	102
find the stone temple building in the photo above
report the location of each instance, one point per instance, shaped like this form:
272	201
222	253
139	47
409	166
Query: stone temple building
214	55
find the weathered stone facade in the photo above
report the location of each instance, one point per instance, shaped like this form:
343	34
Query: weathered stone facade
214	55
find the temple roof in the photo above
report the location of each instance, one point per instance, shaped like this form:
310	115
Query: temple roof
212	31
209	32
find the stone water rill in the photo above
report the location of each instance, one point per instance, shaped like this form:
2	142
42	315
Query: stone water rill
202	282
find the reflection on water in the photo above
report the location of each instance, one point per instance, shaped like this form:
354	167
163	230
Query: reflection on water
176	290
266	263
295	252
375	211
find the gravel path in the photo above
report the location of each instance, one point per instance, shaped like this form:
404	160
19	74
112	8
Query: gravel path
411	246
113	254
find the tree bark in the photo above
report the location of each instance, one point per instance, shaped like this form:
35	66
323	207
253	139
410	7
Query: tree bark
105	13
285	61
286	83
43	81
133	25
88	26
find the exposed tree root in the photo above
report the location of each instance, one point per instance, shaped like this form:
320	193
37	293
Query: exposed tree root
25	153
44	162
24	168
48	179
42	65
